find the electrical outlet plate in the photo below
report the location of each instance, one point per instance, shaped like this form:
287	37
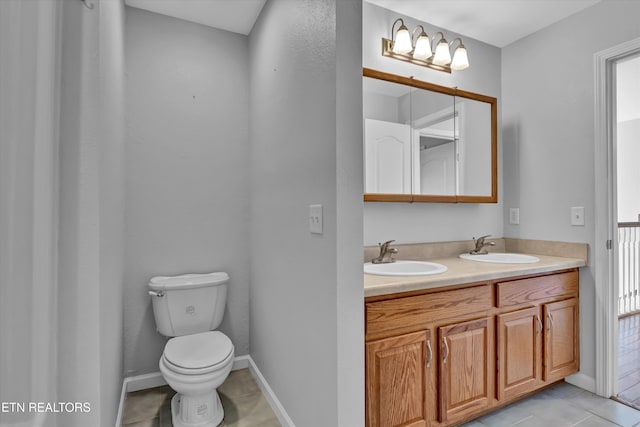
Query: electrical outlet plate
577	216
315	219
514	216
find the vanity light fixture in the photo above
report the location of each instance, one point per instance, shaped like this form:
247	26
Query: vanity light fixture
403	47
402	41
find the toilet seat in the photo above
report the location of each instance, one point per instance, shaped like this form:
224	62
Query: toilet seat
198	353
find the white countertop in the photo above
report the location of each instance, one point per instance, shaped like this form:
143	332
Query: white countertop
462	271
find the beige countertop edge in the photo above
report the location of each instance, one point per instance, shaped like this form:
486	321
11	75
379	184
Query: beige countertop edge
463	271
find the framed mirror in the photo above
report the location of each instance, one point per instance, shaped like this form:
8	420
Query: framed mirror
427	143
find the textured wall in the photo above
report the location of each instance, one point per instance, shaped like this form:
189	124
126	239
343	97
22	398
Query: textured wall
187	170
299	288
549	134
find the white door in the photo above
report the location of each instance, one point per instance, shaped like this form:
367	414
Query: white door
387	157
437	170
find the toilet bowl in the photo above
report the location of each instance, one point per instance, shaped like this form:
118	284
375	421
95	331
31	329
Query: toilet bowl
198	359
195	366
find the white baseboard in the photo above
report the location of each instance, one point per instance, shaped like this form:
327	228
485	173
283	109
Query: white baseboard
271	397
155	379
583	381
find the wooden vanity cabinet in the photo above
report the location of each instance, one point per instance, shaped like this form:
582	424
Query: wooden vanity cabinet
436	358
465	369
561	345
400	383
519	352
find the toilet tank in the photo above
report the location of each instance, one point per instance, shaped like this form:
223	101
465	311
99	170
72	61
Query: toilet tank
188	304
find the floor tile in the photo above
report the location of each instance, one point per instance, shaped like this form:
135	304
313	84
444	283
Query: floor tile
531	421
155	422
595	421
239	383
562	415
616	412
145	404
505	417
242	400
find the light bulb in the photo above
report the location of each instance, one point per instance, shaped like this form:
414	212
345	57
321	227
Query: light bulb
460	60
442	55
423	47
402	43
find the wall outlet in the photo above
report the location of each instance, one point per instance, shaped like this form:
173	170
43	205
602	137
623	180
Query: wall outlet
514	216
315	219
577	216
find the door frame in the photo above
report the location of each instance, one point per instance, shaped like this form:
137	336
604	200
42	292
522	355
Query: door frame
606	236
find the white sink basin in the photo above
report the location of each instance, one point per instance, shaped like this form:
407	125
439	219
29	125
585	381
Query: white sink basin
405	268
502	258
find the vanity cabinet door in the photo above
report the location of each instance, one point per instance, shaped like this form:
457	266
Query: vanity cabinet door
399	380
562	348
519	352
465	358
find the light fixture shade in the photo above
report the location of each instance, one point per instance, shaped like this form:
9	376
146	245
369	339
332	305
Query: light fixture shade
460	59
423	47
402	43
442	56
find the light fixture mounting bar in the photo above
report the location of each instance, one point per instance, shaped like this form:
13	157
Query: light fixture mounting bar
387	50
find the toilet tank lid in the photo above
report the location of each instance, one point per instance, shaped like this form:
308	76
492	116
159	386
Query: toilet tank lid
188	281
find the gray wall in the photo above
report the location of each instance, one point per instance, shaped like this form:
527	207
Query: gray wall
430	222
306	148
547	114
628	153
187	170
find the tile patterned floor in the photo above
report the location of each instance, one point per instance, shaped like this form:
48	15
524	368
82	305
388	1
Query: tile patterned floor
563	405
560	406
243	402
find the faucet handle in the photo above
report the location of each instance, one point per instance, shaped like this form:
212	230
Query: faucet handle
387	243
482	238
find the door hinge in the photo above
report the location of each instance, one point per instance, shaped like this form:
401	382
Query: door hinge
609	244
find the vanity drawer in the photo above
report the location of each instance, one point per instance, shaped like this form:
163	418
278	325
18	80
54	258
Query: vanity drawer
423	309
537	288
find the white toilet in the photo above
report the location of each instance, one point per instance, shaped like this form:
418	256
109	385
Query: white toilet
198	360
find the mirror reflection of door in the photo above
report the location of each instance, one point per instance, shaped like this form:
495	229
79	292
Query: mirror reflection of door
436	147
433	120
387	157
387	137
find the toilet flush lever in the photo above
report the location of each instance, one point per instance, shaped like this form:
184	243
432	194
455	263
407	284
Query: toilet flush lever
156	294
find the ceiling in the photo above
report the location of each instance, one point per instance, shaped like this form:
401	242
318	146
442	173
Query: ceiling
496	22
237	16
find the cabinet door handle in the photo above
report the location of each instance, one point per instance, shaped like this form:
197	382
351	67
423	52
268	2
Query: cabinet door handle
540	326
429	354
446	351
550	317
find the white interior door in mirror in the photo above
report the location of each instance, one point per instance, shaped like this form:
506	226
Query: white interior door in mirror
435	143
387	157
437	169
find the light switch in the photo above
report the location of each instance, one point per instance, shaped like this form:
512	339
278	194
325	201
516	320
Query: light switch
577	215
315	219
514	216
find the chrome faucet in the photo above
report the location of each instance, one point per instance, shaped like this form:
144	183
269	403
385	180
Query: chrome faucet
480	244
385	253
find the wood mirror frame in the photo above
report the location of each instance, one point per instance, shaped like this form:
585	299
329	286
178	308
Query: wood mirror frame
433	198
